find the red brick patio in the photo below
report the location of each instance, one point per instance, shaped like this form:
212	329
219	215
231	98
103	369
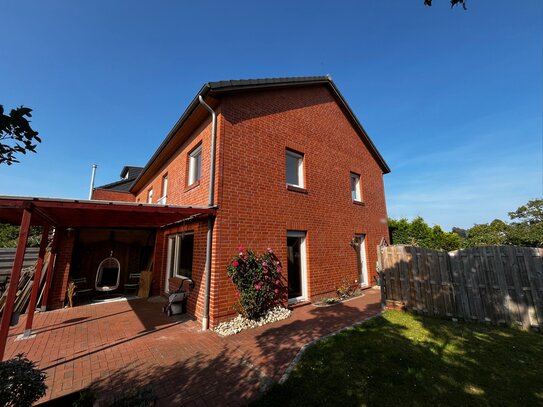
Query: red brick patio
121	345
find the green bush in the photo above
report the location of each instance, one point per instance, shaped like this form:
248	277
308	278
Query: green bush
259	281
21	383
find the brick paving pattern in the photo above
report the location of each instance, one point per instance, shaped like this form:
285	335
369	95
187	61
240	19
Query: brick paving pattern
121	345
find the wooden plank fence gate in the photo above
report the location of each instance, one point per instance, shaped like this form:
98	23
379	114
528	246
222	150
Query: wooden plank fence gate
495	284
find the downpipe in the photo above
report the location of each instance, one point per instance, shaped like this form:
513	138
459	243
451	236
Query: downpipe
210	219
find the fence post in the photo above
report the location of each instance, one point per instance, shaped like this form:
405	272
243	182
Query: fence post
380	272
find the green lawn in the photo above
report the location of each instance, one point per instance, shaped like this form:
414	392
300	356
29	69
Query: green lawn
405	360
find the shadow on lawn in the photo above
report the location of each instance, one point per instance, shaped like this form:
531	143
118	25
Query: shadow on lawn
401	359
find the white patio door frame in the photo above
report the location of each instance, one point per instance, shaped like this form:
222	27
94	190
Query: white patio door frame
364	280
303	265
169	268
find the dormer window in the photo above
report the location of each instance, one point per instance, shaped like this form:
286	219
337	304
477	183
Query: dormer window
195	165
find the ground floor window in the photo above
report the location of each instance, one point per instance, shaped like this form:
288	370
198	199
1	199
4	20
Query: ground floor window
180	253
297	278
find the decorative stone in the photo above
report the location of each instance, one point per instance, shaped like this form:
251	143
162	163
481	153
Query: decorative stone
241	323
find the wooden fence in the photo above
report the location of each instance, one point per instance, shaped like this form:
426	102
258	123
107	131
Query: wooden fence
497	284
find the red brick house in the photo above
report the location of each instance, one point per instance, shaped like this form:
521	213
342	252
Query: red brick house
287	166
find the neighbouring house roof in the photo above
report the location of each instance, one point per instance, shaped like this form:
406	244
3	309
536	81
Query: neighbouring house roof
130	171
84	213
128	175
230	86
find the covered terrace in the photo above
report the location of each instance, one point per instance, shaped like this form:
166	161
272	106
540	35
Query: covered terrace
65	216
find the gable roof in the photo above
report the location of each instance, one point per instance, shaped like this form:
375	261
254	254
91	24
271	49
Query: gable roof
129	174
231	86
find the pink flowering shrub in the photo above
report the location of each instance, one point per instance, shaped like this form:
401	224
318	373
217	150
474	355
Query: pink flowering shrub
258	280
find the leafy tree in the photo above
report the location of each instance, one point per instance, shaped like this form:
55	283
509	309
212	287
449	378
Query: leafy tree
531	213
400	231
442	240
453	3
463	233
16	135
487	234
528	228
9	235
418	233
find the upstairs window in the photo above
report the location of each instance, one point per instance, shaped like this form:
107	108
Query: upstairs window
150	196
355	188
164	196
195	165
295	169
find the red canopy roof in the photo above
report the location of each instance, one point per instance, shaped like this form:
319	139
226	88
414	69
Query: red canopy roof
83	213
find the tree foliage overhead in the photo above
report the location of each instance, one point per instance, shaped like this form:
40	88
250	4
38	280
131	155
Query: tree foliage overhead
16	135
453	3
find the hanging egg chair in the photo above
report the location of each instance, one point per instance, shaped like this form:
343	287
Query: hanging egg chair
108	274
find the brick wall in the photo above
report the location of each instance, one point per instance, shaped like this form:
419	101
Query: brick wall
176	168
195	303
61	272
256	209
106	195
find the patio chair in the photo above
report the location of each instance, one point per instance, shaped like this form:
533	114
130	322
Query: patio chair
133	283
108	274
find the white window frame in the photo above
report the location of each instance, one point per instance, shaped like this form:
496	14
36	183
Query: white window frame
300	158
171	269
150	195
193	163
163	199
303	260
357	190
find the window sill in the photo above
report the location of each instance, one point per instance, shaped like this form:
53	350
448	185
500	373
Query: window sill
359	203
192	186
294	188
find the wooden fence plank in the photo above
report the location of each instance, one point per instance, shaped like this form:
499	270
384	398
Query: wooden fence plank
497	284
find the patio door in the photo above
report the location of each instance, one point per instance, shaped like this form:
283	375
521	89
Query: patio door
297	274
361	258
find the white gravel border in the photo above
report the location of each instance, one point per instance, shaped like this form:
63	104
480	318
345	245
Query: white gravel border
240	323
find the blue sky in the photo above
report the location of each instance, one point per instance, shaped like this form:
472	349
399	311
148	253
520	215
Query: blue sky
453	99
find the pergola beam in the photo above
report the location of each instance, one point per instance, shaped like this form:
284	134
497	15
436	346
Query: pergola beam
14	280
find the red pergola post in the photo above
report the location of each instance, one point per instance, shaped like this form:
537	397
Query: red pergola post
50	268
14	280
36	283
